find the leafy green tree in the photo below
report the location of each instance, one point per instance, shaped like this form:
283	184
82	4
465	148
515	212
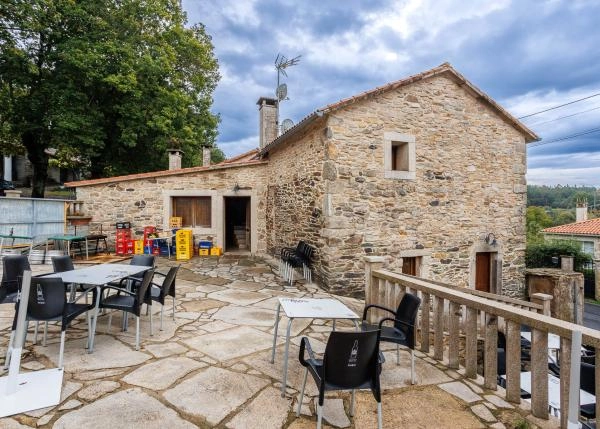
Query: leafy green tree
540	254
537	219
106	83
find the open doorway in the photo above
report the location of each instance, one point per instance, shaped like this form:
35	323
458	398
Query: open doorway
237	224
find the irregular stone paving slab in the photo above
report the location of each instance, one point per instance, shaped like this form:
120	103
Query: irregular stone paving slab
396	376
209	288
7	423
33	365
267	410
483	413
202	305
108	353
238	297
247	286
188	315
334	413
126	409
161	374
231	343
262	362
69	405
216	326
69	388
268	304
214	393
165	349
245	316
95	390
497	401
217	281
94	375
461	391
43	420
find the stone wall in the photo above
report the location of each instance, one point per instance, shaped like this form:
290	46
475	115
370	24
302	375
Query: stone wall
470	181
147	201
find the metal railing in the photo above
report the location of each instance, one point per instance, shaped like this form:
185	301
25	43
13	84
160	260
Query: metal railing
451	313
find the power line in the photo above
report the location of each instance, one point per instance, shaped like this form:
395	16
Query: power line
562	105
569	137
562	117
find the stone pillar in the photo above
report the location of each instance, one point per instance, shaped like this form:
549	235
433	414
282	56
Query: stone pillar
372	263
8	168
206	156
567	263
11	193
174	159
268	127
544	300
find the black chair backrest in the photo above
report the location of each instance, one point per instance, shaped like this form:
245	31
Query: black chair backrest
168	285
351	359
501	340
60	264
142	291
587	378
501	361
407	312
47	298
12	271
142	260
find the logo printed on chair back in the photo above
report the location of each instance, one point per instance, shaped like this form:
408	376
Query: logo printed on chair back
40	295
353	359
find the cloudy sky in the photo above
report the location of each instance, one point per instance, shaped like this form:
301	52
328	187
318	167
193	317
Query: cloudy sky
529	55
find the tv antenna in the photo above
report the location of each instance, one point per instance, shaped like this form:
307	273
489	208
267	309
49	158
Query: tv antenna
281	64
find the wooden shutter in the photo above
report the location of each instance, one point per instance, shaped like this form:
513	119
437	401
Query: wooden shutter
194	211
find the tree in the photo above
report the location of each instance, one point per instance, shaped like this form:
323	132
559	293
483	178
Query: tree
106	83
540	254
537	219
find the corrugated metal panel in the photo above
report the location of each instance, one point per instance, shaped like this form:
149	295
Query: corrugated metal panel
30	217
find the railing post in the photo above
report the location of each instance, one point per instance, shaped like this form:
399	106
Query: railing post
372	263
471	343
539	373
438	328
513	361
454	331
490	357
544	300
425	309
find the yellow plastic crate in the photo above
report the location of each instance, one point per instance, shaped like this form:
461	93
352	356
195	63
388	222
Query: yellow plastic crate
203	252
175	222
181	256
138	247
216	251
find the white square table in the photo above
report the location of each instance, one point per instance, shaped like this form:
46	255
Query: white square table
306	308
97	276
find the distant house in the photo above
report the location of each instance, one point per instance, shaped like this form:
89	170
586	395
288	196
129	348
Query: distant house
428	171
18	169
584	230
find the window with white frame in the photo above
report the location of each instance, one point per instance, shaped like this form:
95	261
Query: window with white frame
588	247
399	156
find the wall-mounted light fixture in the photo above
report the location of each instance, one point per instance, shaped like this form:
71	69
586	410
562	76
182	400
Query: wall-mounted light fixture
236	187
490	239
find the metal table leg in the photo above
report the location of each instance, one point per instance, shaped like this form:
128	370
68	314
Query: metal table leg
285	357
275	333
93	335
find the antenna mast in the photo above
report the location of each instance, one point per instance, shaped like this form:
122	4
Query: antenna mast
282	63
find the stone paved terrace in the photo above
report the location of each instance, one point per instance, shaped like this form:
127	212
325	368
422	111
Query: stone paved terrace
211	367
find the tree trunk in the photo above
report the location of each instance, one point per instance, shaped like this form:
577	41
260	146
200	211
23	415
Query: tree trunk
39	161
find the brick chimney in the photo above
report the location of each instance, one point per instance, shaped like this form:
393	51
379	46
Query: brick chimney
175	158
205	156
581	211
267	125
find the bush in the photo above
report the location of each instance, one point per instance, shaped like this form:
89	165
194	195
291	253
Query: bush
539	254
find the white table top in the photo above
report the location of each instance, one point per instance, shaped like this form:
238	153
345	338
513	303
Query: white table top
554	391
316	308
99	274
553	340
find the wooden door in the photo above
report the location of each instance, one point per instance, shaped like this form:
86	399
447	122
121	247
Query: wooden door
409	266
482	271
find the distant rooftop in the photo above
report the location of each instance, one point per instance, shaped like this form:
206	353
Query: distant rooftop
588	227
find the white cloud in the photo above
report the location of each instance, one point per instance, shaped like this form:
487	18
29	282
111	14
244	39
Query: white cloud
589	176
237	147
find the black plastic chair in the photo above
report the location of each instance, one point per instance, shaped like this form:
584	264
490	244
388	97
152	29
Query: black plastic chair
61	264
47	301
501	353
351	361
136	279
587	380
158	293
12	271
402	333
129	302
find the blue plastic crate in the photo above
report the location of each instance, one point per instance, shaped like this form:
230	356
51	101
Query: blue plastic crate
205	244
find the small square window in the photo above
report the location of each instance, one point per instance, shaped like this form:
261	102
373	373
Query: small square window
399	156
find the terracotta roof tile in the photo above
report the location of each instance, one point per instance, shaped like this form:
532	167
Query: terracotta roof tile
587	227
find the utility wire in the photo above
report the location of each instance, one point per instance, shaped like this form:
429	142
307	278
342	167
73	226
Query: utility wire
562	117
569	137
562	105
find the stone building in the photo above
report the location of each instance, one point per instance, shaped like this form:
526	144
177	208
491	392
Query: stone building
427	171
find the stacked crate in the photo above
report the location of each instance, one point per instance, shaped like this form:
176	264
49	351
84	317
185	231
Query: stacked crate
123	241
175	222
204	247
148	243
184	244
138	247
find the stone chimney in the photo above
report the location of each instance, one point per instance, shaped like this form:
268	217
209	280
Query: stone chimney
267	125
206	156
175	158
581	212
